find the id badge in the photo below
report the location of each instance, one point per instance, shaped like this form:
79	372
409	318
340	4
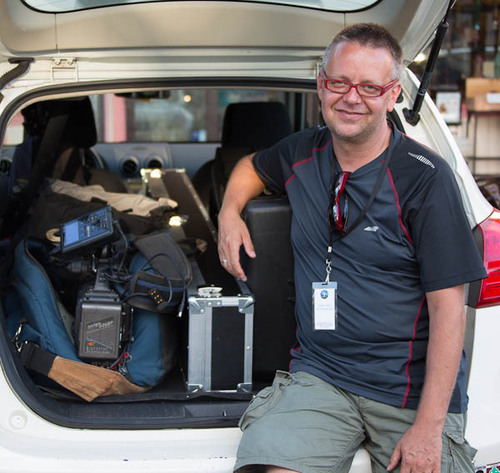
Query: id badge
324	305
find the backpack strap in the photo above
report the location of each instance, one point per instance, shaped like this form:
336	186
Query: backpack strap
36	359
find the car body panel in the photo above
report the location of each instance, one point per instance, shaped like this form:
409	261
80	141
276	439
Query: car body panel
160	25
60	6
484	384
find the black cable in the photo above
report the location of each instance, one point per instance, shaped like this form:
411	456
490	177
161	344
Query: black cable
179	272
117	223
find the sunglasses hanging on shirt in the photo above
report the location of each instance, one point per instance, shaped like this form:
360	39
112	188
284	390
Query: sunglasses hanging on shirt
338	213
324	294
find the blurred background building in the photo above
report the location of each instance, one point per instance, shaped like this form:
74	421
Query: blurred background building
466	82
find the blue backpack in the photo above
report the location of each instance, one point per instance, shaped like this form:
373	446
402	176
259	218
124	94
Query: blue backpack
42	328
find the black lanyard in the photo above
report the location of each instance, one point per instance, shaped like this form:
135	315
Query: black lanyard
361	216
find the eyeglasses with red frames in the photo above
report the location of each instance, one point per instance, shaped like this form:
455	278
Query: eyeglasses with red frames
337	217
338	86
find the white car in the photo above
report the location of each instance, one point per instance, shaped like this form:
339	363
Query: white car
159	75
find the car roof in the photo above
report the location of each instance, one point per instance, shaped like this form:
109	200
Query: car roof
240	28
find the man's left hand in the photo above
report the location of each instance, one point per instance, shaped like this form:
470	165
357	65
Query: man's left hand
418	451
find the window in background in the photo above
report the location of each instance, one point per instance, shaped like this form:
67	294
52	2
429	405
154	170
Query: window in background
183	115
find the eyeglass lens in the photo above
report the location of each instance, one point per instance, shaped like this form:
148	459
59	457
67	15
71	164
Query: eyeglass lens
343	87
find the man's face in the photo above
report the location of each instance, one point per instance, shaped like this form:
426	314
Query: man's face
349	116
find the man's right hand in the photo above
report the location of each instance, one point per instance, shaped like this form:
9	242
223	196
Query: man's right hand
233	233
244	184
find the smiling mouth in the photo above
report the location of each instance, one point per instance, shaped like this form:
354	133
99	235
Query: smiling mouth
349	113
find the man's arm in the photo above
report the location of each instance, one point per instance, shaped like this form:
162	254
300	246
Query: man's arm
420	449
244	184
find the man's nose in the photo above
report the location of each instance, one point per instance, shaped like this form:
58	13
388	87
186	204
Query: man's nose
352	95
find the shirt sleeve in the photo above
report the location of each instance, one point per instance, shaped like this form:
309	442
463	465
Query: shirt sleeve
267	164
446	251
274	165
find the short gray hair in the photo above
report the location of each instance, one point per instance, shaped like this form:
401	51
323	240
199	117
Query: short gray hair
370	35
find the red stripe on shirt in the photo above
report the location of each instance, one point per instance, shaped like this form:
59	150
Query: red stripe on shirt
410	353
400	217
418	142
310	158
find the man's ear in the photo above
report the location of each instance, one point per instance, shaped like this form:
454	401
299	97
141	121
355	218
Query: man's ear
319	86
395	91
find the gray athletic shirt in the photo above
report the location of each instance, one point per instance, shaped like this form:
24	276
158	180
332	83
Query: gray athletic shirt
414	238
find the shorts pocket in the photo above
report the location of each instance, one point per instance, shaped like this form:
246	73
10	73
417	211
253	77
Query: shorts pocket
265	400
458	454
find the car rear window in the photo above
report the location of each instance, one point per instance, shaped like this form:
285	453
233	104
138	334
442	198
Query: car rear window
174	116
187	115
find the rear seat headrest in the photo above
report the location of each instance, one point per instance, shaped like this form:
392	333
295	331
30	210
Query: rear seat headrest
80	130
255	125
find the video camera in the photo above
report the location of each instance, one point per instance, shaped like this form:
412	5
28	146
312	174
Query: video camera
102	319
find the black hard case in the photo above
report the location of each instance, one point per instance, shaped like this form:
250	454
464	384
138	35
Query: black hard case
271	280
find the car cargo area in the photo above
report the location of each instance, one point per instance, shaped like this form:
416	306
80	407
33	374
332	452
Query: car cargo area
222	344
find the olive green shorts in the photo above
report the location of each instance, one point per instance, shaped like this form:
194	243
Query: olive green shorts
305	424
